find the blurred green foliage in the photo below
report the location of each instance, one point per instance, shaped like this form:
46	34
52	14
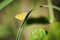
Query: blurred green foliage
54	33
7	17
38	34
8	23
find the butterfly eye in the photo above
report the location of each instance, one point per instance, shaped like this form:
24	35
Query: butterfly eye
20	16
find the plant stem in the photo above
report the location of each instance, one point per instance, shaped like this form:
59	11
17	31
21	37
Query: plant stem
51	11
55	7
19	34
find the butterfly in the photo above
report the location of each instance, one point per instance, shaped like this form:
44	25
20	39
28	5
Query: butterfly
20	16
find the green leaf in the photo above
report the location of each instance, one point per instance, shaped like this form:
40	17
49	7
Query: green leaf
4	3
21	27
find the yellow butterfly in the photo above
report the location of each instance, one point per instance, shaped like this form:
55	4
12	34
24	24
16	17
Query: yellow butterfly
20	16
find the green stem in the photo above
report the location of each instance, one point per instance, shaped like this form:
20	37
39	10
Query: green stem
55	7
19	34
51	11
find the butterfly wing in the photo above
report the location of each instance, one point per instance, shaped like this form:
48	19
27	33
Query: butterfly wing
20	16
